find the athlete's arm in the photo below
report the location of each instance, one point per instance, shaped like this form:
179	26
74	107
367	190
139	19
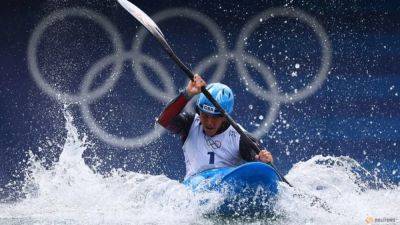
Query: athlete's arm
172	118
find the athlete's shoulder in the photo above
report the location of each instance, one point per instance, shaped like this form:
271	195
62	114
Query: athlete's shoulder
233	134
196	118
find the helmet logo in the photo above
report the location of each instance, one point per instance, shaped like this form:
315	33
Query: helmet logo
208	108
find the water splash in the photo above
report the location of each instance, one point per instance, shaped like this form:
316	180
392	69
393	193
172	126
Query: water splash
70	192
351	192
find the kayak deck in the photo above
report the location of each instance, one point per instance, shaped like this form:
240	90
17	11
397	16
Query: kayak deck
248	189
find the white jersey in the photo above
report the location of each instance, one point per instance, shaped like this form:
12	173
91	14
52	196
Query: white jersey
203	152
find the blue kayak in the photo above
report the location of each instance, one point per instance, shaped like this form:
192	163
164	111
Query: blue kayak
248	189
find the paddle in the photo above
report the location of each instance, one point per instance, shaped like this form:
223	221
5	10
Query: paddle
152	27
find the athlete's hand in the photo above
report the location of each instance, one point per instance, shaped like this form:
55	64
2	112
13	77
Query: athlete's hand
265	156
194	87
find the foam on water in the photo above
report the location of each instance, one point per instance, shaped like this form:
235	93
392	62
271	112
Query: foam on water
72	193
351	192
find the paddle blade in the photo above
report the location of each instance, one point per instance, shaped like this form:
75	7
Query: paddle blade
142	17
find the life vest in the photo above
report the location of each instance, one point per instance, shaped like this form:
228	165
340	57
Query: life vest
203	152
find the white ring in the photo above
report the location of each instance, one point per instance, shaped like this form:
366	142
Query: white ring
322	36
34	42
136	142
274	104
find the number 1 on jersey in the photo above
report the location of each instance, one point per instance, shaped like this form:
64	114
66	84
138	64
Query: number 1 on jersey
212	154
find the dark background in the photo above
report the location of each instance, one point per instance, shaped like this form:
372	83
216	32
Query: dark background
356	111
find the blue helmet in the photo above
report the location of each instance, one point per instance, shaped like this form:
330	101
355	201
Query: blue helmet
222	94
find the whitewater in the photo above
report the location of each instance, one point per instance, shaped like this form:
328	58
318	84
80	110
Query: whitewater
71	192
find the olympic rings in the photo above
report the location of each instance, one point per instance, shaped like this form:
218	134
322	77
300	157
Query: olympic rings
239	56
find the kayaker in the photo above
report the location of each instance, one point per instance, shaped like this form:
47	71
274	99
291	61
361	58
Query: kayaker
209	141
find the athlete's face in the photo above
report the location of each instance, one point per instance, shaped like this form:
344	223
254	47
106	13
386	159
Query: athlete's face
211	124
